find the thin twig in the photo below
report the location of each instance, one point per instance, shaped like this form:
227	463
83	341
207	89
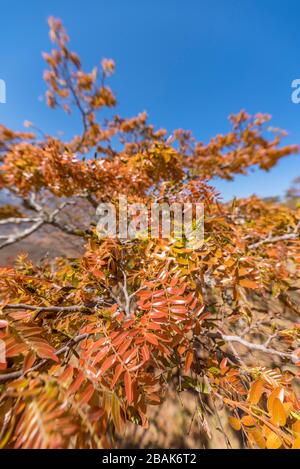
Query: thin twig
260	347
51	309
65	348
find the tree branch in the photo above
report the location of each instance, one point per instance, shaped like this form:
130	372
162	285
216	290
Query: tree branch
51	309
259	347
13	238
65	348
274	239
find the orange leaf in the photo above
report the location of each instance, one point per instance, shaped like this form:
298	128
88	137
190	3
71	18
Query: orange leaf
296	428
288	407
273	441
277	392
278	412
114	308
244	282
128	387
29	361
145	353
15	349
98	274
116	413
126	344
296	444
45	350
248	421
76	383
66	375
86	395
151	338
107	364
188	361
235	423
258	438
223	363
118	372
256	391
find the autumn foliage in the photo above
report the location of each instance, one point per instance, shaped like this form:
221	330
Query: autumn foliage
91	343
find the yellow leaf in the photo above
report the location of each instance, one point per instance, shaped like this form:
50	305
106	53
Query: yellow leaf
116	414
266	431
287	407
295	415
248	421
296	444
256	391
258	438
277	392
229	262
296	428
235	423
182	261
278	412
244	282
273	441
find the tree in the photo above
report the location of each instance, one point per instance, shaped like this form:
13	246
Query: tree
293	193
92	342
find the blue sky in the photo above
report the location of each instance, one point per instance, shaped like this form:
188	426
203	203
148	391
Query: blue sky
188	63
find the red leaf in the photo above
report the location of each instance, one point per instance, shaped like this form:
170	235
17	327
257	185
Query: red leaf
118	372
122	349
66	375
145	353
29	361
174	281
114	308
129	355
188	361
107	364
176	291
145	294
76	383
179	310
87	394
15	349
128	387
98	274
151	338
223	363
177	300
159	303
101	354
46	351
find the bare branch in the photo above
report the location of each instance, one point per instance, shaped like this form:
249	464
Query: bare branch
51	309
18	221
260	347
13	238
44	219
126	296
274	239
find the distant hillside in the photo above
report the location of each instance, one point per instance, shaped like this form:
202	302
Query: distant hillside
46	241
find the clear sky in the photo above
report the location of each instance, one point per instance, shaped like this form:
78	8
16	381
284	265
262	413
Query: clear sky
188	63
